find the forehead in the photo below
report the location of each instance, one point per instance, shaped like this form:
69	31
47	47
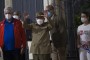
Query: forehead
82	14
7	11
48	9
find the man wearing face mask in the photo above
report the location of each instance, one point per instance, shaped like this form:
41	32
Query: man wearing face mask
57	34
16	15
83	33
12	36
40	46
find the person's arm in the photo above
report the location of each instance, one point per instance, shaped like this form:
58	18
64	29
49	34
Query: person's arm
23	35
27	26
78	39
50	23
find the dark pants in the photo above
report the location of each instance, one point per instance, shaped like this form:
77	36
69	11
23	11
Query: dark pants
41	57
11	55
25	55
58	53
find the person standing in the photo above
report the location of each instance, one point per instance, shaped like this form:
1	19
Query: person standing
29	21
40	46
16	15
83	33
28	34
12	36
58	35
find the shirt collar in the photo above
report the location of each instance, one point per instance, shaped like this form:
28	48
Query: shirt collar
11	20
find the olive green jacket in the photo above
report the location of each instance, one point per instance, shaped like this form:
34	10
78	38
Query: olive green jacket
40	38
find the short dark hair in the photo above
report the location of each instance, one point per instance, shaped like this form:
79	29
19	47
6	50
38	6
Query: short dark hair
16	13
86	13
50	7
40	15
9	9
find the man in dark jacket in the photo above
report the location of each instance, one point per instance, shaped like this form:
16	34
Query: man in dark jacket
28	32
58	35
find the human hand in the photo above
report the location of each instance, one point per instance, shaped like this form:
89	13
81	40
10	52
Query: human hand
22	51
26	15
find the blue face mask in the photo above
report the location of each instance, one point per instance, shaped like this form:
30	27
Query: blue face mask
49	14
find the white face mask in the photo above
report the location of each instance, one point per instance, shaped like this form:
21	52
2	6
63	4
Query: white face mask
39	21
84	20
16	17
46	20
8	16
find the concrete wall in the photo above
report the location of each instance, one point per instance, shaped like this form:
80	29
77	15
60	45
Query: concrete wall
8	3
47	2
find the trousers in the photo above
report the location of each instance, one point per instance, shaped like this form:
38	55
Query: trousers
58	53
84	55
41	56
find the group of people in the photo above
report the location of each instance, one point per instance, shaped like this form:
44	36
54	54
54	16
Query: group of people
48	35
13	38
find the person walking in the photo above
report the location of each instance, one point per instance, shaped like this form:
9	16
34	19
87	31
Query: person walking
12	36
57	34
40	46
83	33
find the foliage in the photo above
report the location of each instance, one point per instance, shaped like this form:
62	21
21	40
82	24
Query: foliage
84	6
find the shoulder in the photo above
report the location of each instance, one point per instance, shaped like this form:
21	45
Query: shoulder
16	20
88	24
2	22
33	24
80	26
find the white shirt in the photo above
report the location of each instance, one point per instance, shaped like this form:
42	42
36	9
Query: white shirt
84	31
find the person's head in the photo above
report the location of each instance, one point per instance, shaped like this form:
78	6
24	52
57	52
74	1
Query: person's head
40	18
16	15
50	10
8	12
26	15
85	17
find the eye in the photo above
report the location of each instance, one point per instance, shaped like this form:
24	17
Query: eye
7	13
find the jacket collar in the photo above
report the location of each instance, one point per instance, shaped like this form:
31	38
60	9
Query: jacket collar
14	20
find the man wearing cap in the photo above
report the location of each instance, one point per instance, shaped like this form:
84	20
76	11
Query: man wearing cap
12	36
40	46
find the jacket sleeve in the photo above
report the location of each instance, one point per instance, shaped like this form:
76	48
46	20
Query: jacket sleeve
23	35
50	24
60	26
27	26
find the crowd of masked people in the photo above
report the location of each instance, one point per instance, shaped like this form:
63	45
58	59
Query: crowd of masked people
48	35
